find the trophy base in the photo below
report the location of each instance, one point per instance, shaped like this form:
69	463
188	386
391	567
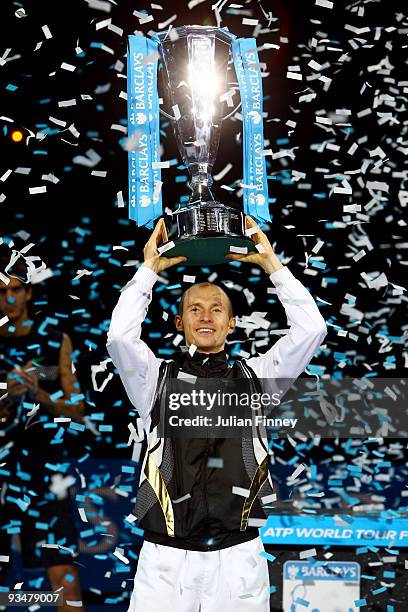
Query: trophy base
204	233
209	250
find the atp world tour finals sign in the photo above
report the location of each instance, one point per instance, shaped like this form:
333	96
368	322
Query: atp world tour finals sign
194	60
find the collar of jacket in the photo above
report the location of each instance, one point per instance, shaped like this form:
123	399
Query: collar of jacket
204	362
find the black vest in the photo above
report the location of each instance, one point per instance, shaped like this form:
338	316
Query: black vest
209	516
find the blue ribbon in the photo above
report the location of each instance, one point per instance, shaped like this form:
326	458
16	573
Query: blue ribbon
145	203
255	186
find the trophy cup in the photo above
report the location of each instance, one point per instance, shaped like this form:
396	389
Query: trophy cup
195	63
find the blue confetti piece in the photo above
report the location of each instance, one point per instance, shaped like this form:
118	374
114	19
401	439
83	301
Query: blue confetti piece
267	556
40	525
302	602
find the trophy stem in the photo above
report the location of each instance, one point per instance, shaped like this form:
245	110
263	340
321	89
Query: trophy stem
200	183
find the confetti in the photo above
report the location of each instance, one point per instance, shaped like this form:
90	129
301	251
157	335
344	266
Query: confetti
34	190
46	31
240	250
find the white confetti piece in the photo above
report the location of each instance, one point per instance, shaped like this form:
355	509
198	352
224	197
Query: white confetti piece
57	121
66	103
215	462
118	31
190	378
100	5
119	128
240	491
248	21
90	159
5	176
317	246
324	3
103	24
178	339
176	112
4	558
239	250
82	514
256	522
194	3
314	65
250	231
51	178
268	499
76	603
161	164
306	554
222	173
300	468
142	17
192	349
164	24
24	171
294	75
188	279
359	255
130	518
165	247
120	201
34	190
47	32
182	499
69	67
307	97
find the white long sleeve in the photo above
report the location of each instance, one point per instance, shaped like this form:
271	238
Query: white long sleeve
139	368
137	365
290	355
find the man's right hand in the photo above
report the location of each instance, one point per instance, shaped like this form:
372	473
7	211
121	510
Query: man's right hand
152	259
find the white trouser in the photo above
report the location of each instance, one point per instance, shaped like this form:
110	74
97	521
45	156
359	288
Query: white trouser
233	579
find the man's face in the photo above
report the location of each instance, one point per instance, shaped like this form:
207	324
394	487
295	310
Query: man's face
205	320
13	299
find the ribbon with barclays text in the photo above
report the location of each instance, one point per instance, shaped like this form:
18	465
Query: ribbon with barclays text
145	203
255	186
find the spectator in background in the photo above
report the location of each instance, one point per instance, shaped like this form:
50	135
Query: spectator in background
41	388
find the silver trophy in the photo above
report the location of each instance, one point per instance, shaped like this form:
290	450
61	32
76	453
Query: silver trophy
195	63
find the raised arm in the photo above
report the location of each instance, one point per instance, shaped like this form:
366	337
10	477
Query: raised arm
137	365
290	355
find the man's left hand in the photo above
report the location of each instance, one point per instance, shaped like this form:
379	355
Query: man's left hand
266	258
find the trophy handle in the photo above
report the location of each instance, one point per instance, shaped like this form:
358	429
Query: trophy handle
232	112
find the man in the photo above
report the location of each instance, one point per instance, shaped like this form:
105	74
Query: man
201	552
36	364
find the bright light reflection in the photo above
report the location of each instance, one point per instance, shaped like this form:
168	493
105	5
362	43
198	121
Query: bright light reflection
203	78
